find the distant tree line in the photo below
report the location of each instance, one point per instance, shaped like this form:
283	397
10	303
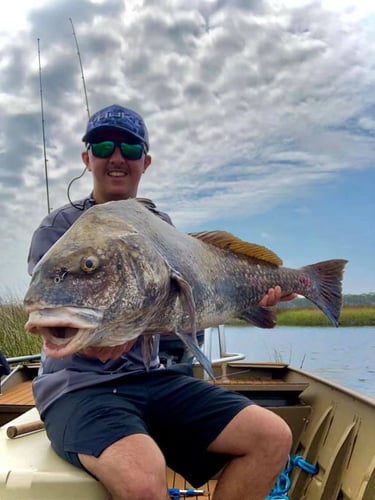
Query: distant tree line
363	299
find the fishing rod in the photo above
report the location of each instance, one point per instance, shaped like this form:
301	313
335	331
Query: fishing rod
75	205
42	115
43	131
81	67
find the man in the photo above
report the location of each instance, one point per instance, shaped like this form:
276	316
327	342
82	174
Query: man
123	424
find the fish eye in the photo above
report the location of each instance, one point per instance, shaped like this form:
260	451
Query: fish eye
89	263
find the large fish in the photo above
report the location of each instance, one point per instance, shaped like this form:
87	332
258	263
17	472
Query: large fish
120	272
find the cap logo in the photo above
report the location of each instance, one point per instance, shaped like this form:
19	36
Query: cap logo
108	115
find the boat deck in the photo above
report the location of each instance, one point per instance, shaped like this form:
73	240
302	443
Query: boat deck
19	395
16	394
176	481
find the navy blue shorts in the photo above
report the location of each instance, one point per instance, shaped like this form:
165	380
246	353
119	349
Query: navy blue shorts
181	413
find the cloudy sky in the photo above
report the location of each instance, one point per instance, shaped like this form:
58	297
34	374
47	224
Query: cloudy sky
261	116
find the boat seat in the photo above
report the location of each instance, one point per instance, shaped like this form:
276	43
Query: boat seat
29	468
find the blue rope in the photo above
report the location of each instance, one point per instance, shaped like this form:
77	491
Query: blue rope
283	482
280	490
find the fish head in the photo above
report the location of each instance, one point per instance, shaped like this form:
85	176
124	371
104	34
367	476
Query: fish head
95	288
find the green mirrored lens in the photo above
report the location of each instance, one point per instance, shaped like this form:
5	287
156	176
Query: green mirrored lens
105	149
131	151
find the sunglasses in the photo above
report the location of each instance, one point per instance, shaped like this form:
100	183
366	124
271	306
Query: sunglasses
105	149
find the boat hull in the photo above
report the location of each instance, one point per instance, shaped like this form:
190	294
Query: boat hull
332	427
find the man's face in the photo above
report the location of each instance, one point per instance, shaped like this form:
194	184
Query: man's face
115	177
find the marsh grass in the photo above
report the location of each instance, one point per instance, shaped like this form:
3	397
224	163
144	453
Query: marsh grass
350	316
14	341
306	316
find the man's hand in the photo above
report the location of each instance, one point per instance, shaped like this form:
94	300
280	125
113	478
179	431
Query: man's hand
274	295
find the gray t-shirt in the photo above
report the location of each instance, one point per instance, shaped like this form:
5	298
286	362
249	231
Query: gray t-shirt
59	376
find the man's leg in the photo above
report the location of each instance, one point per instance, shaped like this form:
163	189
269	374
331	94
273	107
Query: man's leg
132	468
260	442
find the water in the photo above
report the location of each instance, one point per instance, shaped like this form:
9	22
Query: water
343	355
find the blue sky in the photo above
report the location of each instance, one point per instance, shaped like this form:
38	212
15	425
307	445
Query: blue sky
261	118
334	219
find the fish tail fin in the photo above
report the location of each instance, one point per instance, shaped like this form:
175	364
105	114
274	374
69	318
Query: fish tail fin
326	289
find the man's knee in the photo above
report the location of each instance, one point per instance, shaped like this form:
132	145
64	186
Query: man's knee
145	488
275	436
135	483
252	431
133	467
267	430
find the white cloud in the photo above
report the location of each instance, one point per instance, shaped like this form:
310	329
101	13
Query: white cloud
270	98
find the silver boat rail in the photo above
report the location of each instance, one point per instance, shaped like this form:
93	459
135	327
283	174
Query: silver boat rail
23	359
7	371
224	356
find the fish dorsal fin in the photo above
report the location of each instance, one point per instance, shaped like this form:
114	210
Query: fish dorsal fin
228	241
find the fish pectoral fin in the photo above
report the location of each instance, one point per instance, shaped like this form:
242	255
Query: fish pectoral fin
186	299
223	239
263	317
148	341
188	310
188	340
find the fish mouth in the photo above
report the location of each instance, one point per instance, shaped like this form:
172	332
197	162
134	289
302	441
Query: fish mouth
64	330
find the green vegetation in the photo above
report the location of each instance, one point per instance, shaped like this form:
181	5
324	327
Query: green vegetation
311	316
14	341
362	299
350	316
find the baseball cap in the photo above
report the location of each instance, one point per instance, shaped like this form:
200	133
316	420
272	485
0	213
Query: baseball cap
116	116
